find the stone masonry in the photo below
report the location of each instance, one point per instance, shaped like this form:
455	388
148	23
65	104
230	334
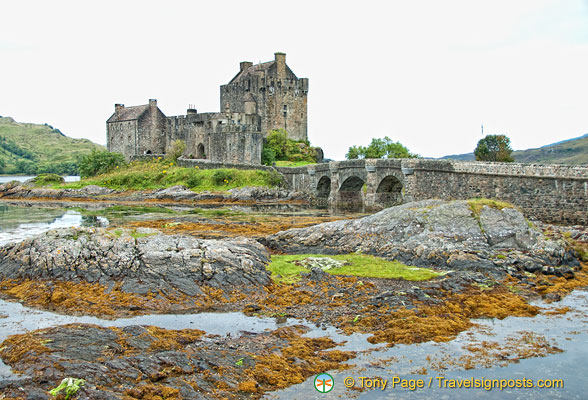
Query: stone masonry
258	99
551	193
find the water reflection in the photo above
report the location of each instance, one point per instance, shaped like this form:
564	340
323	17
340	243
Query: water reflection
23	178
19	223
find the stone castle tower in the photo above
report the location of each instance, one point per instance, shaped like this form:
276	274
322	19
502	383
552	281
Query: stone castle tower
272	91
258	99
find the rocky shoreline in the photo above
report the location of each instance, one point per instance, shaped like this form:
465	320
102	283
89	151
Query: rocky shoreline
441	234
177	194
492	261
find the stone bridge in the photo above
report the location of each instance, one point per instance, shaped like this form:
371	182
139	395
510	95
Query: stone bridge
552	193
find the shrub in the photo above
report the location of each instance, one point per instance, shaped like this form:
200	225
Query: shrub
47	179
100	162
194	180
277	147
268	156
222	176
275	178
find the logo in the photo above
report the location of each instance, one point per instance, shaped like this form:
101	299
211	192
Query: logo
324	383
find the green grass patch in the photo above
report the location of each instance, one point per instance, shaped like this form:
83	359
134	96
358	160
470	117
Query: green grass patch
292	163
158	174
284	269
476	205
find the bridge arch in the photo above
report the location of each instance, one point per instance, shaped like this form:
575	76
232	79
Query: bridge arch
389	192
323	189
351	194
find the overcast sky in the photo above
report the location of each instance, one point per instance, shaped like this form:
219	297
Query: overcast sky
425	73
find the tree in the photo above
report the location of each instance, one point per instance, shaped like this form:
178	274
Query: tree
277	147
2	165
494	148
380	148
100	162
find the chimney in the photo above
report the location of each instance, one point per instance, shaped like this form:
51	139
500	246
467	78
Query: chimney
243	65
118	108
153	107
280	59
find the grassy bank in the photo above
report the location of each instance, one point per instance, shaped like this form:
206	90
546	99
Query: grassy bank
285	269
158	174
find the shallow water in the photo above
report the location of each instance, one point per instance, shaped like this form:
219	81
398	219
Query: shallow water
568	332
19	223
15	318
22	178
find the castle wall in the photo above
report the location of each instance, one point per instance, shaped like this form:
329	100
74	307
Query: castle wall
230	137
151	137
236	147
122	137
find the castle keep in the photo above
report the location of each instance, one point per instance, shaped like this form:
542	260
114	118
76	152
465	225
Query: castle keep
258	99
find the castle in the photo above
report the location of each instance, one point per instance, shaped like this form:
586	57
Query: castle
258	99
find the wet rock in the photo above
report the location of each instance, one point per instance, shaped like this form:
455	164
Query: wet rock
143	263
93	190
548	270
434	233
316	274
565	272
155	363
251	308
552	296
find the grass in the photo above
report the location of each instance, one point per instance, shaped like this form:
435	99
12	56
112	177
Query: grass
158	174
477	204
133	233
574	151
292	163
284	270
47	179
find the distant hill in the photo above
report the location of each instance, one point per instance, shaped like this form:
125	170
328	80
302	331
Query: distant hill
31	149
571	151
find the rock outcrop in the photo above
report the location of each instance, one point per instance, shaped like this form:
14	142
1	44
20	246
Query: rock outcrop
435	233
141	262
27	190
